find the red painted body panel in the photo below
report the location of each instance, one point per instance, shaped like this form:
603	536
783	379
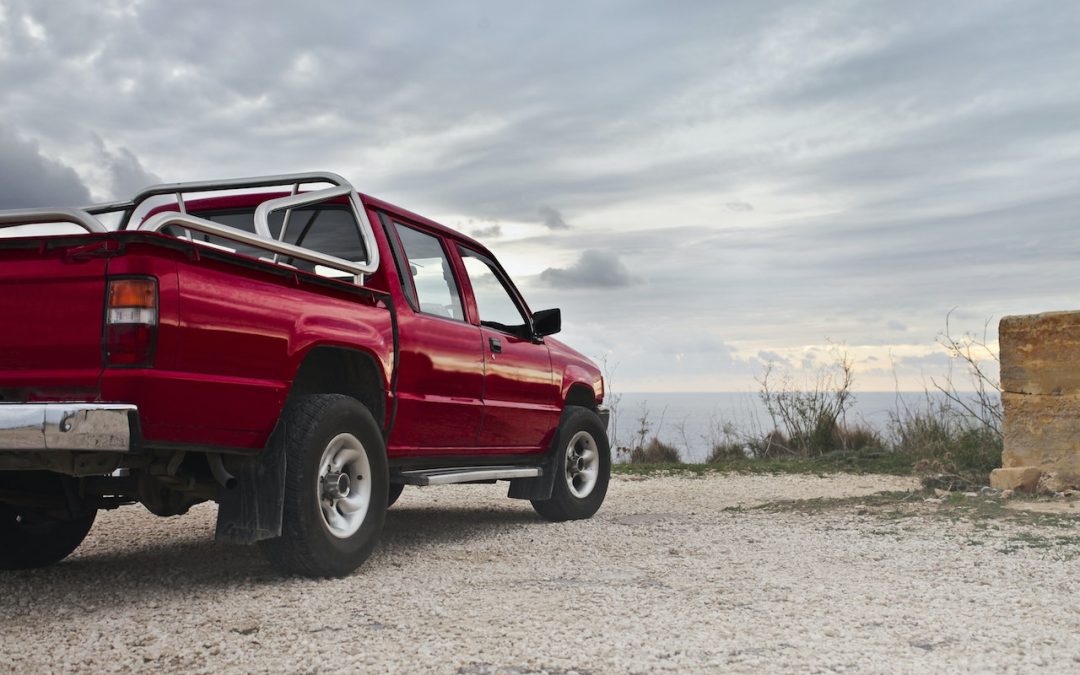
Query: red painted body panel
52	308
233	332
440	386
521	399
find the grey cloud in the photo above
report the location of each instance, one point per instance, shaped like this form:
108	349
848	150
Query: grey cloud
126	173
594	269
901	159
493	231
551	218
29	179
768	356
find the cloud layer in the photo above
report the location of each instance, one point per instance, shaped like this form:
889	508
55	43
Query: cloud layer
757	175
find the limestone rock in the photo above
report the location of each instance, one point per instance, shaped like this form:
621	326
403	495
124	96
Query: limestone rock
1043	432
1023	479
1040	354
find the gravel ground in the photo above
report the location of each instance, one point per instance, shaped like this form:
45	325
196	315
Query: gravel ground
662	579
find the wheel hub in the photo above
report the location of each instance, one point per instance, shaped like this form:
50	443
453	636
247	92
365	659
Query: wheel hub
336	485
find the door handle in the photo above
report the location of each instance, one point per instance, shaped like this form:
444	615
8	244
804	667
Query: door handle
496	346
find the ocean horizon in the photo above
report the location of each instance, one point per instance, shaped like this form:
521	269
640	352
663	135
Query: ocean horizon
694	421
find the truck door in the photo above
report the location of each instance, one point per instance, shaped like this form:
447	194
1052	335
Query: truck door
521	398
441	369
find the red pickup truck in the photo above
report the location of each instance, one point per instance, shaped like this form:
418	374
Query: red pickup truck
284	346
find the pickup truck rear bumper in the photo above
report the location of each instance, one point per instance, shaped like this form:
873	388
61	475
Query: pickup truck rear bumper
100	427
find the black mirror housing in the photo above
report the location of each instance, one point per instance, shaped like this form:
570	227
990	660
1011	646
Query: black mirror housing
547	322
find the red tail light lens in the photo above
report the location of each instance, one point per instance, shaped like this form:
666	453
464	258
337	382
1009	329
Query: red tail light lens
131	320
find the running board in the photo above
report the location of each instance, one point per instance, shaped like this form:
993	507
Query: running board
467	475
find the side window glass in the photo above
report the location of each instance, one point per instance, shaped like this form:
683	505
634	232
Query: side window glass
436	290
494	302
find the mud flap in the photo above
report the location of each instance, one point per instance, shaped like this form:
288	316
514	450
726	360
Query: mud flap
251	511
538	488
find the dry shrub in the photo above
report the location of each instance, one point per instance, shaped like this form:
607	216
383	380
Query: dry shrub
810	415
655	452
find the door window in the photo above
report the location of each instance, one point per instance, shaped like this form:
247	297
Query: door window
494	301
432	277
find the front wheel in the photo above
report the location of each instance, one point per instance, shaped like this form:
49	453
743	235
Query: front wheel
582	465
336	484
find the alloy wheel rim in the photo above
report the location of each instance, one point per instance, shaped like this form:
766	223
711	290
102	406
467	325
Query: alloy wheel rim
582	464
343	485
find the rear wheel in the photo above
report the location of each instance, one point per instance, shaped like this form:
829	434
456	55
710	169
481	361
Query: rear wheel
40	536
582	466
336	485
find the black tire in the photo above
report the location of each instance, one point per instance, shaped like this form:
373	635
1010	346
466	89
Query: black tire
394	493
579	430
308	544
32	537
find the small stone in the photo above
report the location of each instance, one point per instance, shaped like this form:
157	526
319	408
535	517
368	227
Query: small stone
970	495
245	627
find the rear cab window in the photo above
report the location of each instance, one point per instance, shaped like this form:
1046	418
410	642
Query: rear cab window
428	277
327	228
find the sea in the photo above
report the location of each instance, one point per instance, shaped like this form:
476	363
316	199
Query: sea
692	422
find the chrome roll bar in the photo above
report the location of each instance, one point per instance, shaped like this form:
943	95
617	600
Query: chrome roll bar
78	217
342	188
162	220
227	184
263	238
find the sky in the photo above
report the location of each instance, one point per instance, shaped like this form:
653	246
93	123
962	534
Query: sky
703	187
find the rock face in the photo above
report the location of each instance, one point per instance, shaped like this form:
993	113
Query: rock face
1040	384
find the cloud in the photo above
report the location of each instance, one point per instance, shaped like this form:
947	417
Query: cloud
795	167
552	219
769	356
594	269
125	174
492	231
29	179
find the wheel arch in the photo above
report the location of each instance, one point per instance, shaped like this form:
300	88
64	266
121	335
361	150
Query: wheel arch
580	394
333	369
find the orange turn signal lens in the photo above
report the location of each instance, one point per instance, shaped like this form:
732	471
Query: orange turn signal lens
133	293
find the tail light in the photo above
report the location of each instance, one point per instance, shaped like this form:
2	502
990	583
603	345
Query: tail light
131	319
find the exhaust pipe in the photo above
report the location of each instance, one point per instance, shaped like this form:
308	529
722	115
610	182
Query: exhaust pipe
221	475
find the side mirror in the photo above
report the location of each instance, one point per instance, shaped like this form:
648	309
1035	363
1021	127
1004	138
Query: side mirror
547	322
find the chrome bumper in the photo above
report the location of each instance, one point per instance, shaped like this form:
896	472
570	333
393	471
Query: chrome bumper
101	427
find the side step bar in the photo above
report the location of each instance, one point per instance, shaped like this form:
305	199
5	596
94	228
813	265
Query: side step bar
465	475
